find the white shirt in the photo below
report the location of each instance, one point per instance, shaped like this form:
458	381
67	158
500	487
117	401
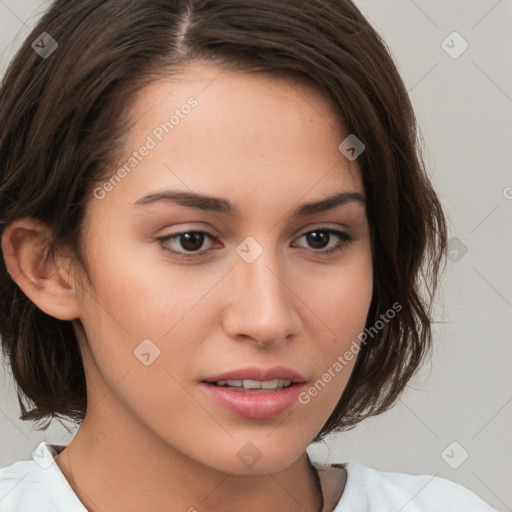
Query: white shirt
38	485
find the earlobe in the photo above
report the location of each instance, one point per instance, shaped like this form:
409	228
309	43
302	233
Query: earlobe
46	282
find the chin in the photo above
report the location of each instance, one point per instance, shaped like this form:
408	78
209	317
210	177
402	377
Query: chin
249	460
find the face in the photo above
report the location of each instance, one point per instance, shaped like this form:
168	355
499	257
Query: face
257	281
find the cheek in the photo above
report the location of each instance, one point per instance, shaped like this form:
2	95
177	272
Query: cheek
147	317
341	306
342	298
133	319
138	291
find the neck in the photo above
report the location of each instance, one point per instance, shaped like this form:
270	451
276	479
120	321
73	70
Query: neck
122	473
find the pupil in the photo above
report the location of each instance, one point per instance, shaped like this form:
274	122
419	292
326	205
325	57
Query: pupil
193	241
315	236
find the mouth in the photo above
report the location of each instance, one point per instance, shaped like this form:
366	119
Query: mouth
253	386
257	378
255	393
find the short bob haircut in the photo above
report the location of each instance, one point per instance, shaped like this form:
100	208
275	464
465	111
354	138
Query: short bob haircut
63	124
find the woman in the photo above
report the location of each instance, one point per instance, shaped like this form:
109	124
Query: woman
215	225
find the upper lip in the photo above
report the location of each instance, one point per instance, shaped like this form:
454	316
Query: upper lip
261	374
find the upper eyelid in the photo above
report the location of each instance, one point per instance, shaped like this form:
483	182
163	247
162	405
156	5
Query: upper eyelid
296	234
299	235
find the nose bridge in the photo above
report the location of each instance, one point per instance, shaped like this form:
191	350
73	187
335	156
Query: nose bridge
262	301
261	273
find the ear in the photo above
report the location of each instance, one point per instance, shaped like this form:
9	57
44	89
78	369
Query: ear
48	284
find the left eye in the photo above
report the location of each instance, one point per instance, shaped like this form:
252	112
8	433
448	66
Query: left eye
193	241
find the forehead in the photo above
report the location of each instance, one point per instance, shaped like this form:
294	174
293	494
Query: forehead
238	135
214	86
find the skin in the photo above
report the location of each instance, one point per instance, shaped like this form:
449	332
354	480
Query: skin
151	436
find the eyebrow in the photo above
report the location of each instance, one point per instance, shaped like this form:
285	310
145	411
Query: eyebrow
221	205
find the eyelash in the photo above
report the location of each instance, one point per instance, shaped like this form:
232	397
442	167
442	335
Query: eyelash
346	240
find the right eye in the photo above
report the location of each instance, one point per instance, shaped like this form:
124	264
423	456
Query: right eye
189	241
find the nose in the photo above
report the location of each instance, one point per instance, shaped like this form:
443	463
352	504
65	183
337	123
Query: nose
262	304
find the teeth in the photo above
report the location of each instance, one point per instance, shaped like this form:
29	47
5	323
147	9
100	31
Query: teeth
256	384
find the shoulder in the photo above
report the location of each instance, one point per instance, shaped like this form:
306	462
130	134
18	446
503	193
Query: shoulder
36	485
367	489
21	488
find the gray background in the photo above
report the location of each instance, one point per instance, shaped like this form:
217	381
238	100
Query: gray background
464	395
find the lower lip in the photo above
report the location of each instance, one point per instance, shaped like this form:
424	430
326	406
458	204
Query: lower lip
255	405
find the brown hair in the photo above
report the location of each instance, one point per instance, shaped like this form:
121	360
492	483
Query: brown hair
62	130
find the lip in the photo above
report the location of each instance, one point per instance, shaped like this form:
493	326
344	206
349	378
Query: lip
255	373
254	405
